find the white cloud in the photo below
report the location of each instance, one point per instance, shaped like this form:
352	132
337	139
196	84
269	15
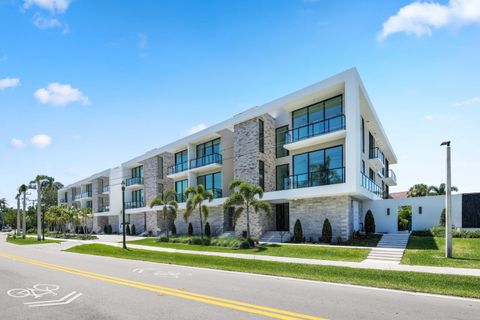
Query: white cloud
41	141
195	129
46	23
430	117
17	143
9	83
60	94
420	18
468	102
54	6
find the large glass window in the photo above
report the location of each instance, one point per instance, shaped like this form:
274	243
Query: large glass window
320	167
180	187
208	148
138	198
212	182
282	173
323	110
280	151
181	161
137	172
261	174
261	136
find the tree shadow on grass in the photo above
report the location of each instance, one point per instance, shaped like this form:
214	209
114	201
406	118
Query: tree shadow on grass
422	243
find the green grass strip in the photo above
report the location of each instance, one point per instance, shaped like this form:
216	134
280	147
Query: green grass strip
463	286
293	251
30	240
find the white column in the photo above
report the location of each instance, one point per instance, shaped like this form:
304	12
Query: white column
352	150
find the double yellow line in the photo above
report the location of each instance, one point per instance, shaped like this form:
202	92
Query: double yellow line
225	303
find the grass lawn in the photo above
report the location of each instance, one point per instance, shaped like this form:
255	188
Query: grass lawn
420	282
363	240
430	251
29	240
297	251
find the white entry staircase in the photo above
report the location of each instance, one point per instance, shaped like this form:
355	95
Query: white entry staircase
389	249
275	237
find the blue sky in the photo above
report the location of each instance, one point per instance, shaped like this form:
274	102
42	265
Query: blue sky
87	85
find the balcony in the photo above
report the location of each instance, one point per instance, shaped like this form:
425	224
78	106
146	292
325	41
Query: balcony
106	189
371	186
177	171
180	197
205	163
315	179
376	159
390	178
77	197
315	133
134	204
104	209
135	181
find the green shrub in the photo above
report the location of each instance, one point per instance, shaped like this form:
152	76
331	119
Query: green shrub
109	229
105	229
174	229
326	232
442	218
163	239
439	232
422	233
134	232
244	245
369	223
190	229
32	231
208	231
298	232
127	229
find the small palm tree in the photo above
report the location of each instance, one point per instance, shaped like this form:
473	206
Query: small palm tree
418	190
170	207
17	197
3	206
440	190
84	215
195	198
23	190
245	197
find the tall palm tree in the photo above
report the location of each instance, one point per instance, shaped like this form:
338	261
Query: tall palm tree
195	198
170	207
23	190
3	206
84	215
245	197
418	190
440	190
37	184
17	197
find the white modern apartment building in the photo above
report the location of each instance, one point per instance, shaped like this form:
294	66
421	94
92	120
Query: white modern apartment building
319	152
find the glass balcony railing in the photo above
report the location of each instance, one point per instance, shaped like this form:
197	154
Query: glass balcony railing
376	153
179	167
315	129
86	194
106	189
371	186
180	197
134	204
391	174
206	160
77	196
134	180
104	209
316	178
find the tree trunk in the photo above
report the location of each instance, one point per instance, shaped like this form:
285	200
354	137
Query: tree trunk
39	212
201	220
166	222
248	221
24	225
18	217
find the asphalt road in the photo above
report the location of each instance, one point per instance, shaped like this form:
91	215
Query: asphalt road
95	287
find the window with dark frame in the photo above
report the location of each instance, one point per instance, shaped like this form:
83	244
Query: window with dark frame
363	135
160	167
261	174
261	136
281	174
280	133
371	175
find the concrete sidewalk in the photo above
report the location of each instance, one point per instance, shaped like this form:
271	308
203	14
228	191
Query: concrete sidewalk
362	265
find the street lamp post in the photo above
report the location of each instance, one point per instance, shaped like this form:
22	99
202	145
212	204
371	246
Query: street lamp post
448	204
123	215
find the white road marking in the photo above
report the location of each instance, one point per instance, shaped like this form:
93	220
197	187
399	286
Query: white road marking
37	291
59	300
57	303
162	273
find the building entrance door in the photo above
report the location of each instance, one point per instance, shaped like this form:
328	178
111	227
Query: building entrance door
282	217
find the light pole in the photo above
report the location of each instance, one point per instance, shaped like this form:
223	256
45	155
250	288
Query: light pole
448	204
123	215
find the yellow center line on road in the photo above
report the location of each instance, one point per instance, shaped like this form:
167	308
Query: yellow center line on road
226	303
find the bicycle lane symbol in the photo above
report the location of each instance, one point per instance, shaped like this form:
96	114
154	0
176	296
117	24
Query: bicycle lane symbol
41	290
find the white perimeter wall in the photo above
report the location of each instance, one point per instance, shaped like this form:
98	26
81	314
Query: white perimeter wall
431	209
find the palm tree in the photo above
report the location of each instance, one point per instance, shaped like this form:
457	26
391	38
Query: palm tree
37	184
418	190
3	206
84	215
440	190
23	190
195	197
170	207
243	197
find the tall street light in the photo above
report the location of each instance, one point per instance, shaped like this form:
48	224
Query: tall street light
123	215
448	204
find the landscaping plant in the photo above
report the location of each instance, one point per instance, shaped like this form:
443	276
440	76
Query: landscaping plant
369	223
326	232
297	232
